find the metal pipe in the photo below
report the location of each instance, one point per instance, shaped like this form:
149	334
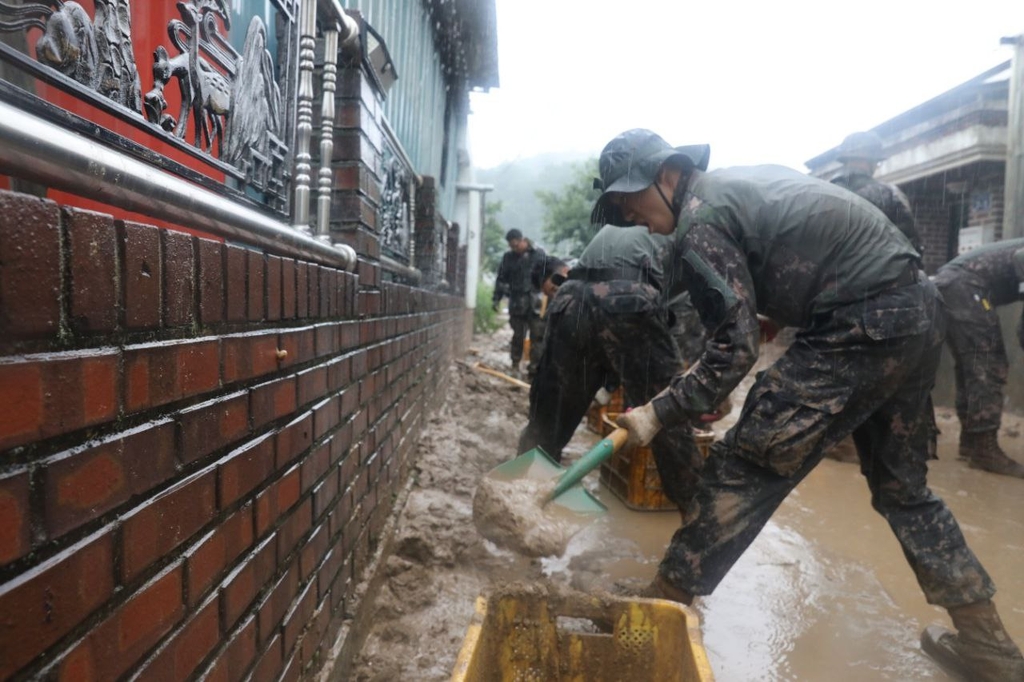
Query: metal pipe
40	151
304	125
391	265
326	175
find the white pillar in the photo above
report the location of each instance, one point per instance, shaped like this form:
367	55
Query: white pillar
1013	201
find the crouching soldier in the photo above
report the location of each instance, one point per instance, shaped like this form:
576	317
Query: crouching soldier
806	254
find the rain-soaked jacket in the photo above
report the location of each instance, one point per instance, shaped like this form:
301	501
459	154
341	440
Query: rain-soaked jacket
770	240
513	280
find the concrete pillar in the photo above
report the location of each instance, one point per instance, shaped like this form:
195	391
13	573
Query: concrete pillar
1013	207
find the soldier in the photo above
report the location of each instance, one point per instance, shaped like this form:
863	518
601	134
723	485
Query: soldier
860	154
806	254
973	286
607	320
513	280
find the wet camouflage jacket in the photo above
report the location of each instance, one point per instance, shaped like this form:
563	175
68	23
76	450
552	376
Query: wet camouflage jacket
888	198
770	240
626	248
999	267
513	280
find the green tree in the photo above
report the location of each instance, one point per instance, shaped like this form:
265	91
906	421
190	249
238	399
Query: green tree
567	212
494	238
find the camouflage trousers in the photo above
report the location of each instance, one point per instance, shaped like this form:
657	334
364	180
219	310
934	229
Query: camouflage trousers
523	325
597	330
865	369
976	339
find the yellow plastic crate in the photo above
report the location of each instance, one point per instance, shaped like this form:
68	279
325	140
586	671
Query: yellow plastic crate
632	474
531	636
596	413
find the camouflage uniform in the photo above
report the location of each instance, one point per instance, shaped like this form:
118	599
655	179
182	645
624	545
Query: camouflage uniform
764	240
886	197
613	324
973	286
513	280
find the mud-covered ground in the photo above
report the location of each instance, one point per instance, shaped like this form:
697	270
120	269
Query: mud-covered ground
824	592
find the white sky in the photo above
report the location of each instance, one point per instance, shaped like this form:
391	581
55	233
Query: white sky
762	82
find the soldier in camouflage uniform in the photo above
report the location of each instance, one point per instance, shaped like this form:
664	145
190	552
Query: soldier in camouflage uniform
513	280
860	153
806	254
607	318
973	285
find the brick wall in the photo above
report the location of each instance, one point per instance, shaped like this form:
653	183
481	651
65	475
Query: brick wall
199	445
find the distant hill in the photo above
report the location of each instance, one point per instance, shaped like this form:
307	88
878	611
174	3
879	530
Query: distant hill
516	182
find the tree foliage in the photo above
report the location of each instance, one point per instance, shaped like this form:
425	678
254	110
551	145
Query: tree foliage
567	212
493	237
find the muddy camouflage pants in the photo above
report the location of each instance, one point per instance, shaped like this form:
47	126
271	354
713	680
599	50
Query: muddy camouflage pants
865	369
976	339
521	326
594	330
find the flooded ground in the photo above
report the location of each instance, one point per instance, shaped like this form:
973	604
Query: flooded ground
823	593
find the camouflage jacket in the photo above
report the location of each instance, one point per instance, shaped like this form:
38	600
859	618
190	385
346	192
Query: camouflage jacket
513	280
998	267
886	197
770	240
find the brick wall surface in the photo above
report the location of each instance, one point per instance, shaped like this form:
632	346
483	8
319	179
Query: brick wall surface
199	444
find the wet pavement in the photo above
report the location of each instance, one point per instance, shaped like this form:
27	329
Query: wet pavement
824	593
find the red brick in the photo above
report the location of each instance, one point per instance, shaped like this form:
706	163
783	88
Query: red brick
211	281
328	570
47	601
246	580
349	332
257	287
300	344
288	289
214	553
314	290
211	425
277	499
116	644
272	400
269	665
312	384
294	439
273	608
325	417
85	482
327	292
293	529
30	267
159	373
93	265
313	641
302	290
232	663
327	339
179	278
315	466
15	531
186	648
339	374
313	553
341	441
249	355
298	617
235	283
142	276
170	518
292	669
324	494
273	288
47	395
245	468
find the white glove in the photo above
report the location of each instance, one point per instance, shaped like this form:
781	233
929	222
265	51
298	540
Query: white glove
642	423
603	397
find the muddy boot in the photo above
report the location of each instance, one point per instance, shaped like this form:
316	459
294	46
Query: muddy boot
663	589
981	651
982	451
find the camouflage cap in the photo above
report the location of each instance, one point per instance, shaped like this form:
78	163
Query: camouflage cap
865	146
630	163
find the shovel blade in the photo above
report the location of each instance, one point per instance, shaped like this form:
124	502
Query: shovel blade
579	500
536	464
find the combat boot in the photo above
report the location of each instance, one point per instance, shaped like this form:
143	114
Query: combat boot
981	650
982	451
663	589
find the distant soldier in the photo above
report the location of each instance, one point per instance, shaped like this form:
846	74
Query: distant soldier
513	280
860	154
806	254
973	286
608	320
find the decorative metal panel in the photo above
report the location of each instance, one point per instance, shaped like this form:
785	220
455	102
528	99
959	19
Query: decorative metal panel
395	211
206	87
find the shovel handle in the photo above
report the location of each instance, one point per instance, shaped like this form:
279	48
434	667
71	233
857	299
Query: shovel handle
590	461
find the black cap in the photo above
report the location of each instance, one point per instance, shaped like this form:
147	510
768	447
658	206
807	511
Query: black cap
513	234
630	163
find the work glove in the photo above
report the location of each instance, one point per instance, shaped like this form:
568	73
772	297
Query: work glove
603	397
723	409
642	423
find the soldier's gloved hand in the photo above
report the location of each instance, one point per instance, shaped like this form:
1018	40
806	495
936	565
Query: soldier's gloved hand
603	397
642	423
723	409
769	329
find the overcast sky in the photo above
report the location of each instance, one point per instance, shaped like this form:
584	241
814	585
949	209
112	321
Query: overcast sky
762	82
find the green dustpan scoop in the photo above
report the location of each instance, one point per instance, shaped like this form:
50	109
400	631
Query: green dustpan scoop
568	493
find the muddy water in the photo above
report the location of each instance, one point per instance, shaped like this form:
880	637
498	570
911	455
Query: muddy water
823	594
